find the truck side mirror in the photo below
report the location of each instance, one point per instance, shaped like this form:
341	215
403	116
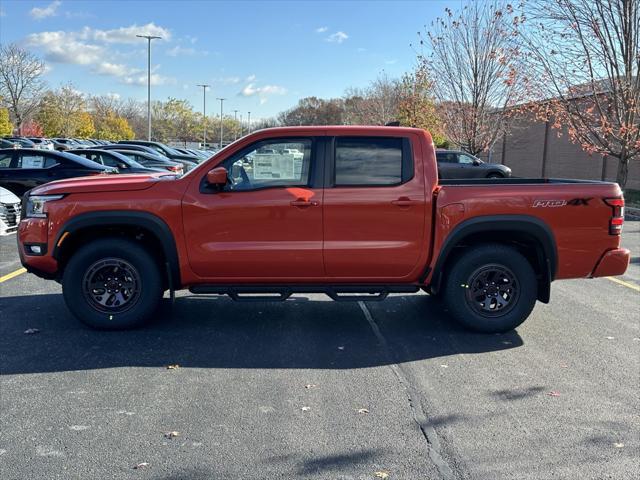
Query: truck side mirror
217	177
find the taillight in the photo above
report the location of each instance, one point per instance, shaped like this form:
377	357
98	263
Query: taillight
617	217
175	169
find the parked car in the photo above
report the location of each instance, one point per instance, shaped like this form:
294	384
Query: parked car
65	143
9	212
24	169
457	164
152	161
189	161
42	143
22	141
141	148
361	215
123	163
4	143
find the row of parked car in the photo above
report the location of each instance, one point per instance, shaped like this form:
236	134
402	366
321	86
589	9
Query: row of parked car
24	165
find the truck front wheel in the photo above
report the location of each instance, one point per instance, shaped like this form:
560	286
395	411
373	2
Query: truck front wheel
491	288
112	284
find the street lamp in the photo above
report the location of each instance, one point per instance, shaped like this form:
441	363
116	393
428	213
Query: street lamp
204	114
249	123
241	126
235	119
221	100
149	38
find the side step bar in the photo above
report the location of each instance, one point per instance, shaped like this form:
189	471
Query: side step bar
339	293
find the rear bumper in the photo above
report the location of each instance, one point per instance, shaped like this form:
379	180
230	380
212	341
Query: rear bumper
614	262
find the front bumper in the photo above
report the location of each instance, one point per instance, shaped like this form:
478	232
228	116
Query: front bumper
614	262
34	231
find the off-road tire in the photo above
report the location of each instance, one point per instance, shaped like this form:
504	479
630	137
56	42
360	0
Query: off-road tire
497	310
132	265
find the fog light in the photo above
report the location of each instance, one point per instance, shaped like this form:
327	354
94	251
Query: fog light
37	249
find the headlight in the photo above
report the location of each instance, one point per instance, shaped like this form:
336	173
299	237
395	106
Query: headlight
36	205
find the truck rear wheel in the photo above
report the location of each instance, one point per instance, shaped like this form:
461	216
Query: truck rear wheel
112	284
491	289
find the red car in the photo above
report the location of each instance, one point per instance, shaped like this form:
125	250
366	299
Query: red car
353	212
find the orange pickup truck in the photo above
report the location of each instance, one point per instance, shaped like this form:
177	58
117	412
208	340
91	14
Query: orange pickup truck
356	213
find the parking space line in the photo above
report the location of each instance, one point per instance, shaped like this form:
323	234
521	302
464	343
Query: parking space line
11	275
624	284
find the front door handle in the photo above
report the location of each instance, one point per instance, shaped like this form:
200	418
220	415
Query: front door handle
304	203
405	202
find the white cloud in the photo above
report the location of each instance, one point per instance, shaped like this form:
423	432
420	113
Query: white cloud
251	78
156	79
227	80
321	29
263	93
337	37
114	95
48	11
178	51
90	47
115	69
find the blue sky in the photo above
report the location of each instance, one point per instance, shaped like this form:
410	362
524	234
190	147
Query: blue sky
262	56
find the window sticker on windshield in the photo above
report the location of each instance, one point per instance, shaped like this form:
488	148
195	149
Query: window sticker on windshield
269	166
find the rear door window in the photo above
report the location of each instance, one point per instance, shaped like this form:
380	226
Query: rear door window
374	161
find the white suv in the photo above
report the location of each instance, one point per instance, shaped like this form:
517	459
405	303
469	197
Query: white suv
9	212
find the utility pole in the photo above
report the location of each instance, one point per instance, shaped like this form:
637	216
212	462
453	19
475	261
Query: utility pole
204	114
149	38
235	119
249	123
221	101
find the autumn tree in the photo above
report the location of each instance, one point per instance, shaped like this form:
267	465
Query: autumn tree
84	126
416	107
376	104
314	111
584	57
21	83
113	127
472	59
6	127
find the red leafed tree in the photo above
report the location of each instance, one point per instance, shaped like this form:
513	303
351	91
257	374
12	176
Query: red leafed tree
472	59
584	57
31	128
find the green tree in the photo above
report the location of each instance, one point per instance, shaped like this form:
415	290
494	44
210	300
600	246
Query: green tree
49	115
6	127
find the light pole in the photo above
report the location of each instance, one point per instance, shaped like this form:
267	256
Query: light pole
249	123
204	114
241	126
235	119
149	38
221	101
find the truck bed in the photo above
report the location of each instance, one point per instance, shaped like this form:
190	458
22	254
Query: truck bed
514	181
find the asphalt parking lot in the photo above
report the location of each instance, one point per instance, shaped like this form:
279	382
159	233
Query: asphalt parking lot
316	389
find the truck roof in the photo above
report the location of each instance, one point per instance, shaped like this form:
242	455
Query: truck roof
345	129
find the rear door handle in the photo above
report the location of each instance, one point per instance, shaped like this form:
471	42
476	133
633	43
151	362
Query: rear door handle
405	202
304	203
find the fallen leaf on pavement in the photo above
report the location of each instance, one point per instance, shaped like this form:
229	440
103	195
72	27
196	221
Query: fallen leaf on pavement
31	331
310	385
381	474
141	465
171	434
554	394
444	366
618	445
340	348
305	409
363	410
173	367
610	338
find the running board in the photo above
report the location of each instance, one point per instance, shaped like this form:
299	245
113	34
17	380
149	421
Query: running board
279	293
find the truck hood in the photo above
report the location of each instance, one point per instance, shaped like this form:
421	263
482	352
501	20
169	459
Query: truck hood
102	183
